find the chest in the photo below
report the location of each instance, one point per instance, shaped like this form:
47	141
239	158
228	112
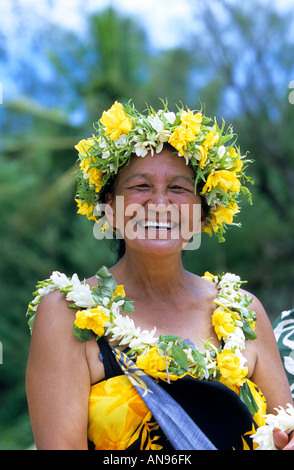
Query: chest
189	318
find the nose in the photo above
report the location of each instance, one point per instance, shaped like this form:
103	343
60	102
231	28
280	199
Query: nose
161	207
160	197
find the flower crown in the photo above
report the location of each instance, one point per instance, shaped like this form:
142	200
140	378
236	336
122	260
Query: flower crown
123	131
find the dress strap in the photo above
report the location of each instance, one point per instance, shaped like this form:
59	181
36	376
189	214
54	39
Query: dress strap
111	366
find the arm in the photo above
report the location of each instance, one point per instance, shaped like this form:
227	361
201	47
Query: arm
58	379
269	373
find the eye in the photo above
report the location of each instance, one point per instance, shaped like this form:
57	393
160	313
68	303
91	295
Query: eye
141	186
178	189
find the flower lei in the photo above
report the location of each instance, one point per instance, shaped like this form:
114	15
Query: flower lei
123	131
167	357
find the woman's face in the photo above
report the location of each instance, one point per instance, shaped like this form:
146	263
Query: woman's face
154	206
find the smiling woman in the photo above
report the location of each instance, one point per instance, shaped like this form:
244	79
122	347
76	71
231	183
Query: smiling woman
215	169
158	202
198	366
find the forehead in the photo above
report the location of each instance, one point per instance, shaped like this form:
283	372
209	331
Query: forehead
164	164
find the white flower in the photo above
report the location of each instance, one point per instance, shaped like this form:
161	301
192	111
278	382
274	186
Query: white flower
283	420
221	151
162	134
105	301
142	148
115	307
156	123
60	280
170	117
122	329
121	141
236	339
163	137
45	290
229	280
80	294
106	155
145	338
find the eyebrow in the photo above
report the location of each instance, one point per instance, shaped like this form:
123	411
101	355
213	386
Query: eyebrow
135	175
184	178
146	176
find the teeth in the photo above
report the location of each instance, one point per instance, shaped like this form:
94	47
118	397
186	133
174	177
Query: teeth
158	225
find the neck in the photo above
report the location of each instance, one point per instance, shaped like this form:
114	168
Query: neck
156	276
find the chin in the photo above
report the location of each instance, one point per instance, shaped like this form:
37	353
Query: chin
158	248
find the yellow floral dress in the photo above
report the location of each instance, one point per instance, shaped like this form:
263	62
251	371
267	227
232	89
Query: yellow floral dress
120	419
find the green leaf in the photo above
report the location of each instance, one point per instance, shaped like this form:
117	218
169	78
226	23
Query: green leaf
97	295
31	322
248	331
128	306
179	356
168	338
82	334
162	345
106	284
198	356
247	398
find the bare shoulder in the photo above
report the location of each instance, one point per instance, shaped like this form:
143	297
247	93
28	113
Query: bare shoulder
53	340
53	312
52	336
257	307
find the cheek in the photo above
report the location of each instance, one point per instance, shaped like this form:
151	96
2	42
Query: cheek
126	208
190	219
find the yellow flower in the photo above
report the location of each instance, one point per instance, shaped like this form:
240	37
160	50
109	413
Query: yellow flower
105	226
119	291
231	373
211	139
225	179
85	209
234	155
84	145
191	121
95	176
222	322
116	121
180	138
208	276
152	363
92	319
186	132
221	215
203	152
84	164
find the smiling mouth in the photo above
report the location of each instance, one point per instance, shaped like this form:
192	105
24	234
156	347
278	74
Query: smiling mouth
154	225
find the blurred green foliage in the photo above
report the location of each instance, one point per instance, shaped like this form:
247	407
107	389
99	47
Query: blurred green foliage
238	61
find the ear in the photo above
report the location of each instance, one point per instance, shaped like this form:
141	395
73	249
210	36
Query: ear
109	209
203	217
